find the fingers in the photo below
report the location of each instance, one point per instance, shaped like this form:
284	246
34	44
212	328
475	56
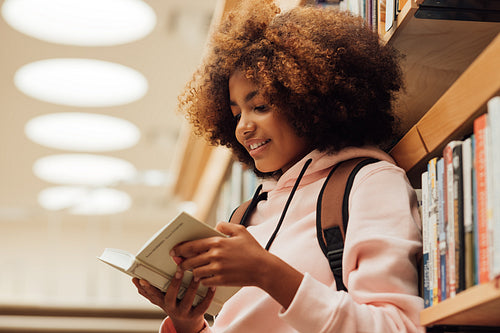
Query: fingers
202	307
153	294
229	229
189	296
173	290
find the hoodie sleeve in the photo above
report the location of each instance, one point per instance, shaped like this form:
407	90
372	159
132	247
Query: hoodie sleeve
382	245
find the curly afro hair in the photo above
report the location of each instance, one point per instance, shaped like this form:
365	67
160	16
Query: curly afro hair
324	70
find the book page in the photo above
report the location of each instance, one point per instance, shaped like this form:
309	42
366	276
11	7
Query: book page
156	252
117	258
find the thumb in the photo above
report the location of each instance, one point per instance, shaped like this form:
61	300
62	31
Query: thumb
227	228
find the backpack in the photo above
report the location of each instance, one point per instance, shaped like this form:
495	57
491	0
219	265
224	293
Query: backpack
332	212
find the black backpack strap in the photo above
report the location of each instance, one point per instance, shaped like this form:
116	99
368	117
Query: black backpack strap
242	212
332	212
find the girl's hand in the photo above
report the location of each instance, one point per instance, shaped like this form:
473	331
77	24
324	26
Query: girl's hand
238	261
217	261
184	316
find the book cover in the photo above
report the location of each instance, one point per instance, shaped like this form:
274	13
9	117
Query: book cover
427	291
153	263
475	233
481	197
450	219
494	130
441	228
433	228
458	214
468	215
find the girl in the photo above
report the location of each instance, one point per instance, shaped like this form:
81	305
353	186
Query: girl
292	95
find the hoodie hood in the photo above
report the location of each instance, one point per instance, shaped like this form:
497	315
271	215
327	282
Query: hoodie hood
321	164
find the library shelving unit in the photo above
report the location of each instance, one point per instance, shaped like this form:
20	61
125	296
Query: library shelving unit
451	68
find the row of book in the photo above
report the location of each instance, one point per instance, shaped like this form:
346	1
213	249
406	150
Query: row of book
377	13
461	211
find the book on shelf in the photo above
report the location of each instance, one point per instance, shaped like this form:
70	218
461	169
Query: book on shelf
458	217
482	197
468	214
426	261
441	228
433	227
154	264
475	233
451	259
494	138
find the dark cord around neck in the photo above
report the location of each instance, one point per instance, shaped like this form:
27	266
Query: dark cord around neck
289	200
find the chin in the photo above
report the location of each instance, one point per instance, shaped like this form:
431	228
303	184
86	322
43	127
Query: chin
268	171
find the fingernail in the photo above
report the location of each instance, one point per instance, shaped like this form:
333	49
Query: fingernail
172	253
212	288
143	283
196	279
177	260
178	275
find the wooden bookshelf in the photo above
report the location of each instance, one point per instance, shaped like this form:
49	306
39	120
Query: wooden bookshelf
452	115
452	68
476	306
436	53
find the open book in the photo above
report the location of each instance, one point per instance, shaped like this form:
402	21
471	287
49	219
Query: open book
154	264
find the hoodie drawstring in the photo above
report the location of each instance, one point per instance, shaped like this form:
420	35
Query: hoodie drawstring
289	200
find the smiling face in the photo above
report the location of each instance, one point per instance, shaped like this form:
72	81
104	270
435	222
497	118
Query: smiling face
266	134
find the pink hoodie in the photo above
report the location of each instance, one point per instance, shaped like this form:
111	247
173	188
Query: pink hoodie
382	245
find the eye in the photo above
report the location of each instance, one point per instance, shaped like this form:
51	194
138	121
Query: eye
237	118
260	108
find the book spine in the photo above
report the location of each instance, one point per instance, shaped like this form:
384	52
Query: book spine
468	212
458	203
494	130
425	241
450	226
475	228
433	233
482	204
441	227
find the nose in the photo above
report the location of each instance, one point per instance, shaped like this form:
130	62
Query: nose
245	125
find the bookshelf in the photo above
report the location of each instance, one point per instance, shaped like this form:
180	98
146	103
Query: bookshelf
476	306
451	71
452	114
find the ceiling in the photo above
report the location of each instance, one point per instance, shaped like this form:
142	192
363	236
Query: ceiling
166	57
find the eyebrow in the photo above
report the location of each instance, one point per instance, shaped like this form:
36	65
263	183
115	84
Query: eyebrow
248	97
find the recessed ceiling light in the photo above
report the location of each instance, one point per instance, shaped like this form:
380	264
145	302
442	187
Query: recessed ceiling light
84	201
81	22
81	82
83	169
82	132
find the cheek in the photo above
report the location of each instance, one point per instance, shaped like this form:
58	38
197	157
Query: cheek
238	137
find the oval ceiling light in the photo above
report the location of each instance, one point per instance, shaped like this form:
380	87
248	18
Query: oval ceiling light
81	82
81	22
83	169
84	201
82	132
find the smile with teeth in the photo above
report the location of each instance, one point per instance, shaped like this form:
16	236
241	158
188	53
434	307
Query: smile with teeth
257	145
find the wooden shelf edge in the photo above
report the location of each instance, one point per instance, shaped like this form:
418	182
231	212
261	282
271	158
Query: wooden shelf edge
459	309
463	102
404	16
409	150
